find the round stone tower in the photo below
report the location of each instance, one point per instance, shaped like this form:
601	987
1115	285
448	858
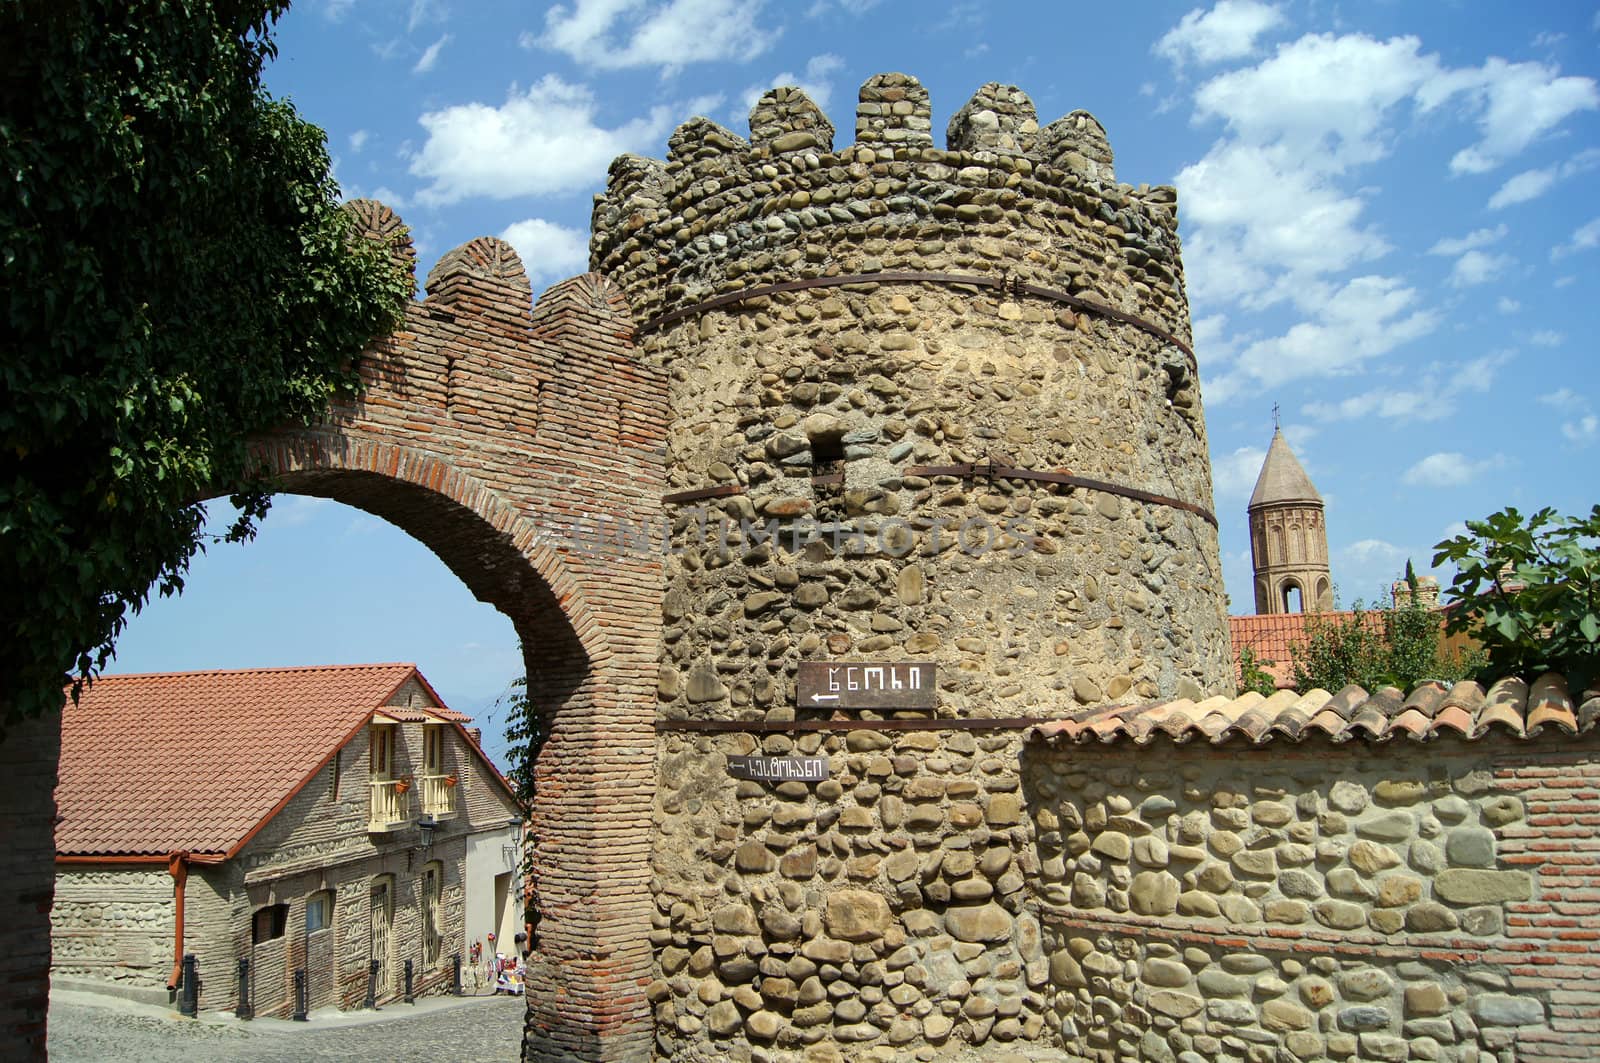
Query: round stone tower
1288	539
861	343
933	419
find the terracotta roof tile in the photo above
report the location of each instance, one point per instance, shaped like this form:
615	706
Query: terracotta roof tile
1511	706
194	761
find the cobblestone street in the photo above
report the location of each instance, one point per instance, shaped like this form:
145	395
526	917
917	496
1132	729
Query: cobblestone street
88	1026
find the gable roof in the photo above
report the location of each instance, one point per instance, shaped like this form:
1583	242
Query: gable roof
1465	710
197	761
1282	479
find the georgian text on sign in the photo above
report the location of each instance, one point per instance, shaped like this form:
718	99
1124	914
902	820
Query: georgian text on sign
866	685
779	769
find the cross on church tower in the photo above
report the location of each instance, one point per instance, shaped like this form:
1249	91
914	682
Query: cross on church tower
1275	424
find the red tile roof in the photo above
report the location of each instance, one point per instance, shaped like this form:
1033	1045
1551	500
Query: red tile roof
195	761
1511	706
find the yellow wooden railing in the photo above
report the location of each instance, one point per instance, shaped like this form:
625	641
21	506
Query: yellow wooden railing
391	805
438	795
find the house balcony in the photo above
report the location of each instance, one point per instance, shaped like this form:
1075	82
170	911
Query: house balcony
391	806
438	795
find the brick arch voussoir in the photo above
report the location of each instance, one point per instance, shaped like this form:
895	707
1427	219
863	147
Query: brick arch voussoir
288	458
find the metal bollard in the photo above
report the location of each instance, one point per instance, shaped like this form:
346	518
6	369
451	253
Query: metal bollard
409	998
189	994
243	1009
300	1000
372	985
455	989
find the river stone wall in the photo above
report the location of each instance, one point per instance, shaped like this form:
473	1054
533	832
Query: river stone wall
883	910
1316	903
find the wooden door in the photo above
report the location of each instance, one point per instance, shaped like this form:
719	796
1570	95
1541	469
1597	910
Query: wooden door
382	934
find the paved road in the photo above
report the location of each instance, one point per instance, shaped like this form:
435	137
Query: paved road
90	1027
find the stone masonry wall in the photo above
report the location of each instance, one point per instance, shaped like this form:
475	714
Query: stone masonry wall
1318	902
1024	593
113	924
883	909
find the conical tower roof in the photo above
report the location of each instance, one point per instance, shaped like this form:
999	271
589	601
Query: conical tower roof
1282	479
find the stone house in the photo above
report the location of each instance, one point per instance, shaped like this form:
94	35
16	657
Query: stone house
337	820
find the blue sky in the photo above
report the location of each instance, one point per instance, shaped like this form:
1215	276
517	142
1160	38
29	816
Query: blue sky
1388	214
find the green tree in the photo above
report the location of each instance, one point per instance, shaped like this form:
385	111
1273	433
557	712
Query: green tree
1528	589
1395	645
176	274
1252	676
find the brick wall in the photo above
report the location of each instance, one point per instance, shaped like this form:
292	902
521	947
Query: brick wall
29	752
486	431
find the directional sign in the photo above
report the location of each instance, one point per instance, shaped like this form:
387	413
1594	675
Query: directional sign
866	685
779	769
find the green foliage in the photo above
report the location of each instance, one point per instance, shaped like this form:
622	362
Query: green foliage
1394	645
1528	589
1253	677
525	733
175	274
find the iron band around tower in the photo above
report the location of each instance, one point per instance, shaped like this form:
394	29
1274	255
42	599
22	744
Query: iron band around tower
999	472
1004	283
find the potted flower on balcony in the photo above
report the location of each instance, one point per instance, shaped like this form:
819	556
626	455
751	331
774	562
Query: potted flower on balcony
450	780
403	785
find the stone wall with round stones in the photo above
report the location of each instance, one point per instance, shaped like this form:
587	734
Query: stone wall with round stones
836	325
1317	902
1054	596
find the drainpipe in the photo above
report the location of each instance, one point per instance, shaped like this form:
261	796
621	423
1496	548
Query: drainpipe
178	868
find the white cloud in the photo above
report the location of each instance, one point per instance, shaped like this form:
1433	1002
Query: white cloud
1582	431
1529	184
1386	403
814	83
1228	31
358	140
1234	475
1449	469
1584	428
1277	210
1547	338
1520	102
385	194
549	252
336	10
430	55
1476	238
1370	551
1478	267
1432	400
1364	319
1584	237
539	142
1507	305
1320	94
423	11
618	34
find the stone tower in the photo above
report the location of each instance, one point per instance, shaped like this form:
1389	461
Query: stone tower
928	408
1288	539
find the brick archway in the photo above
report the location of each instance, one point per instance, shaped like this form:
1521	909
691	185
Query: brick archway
488	428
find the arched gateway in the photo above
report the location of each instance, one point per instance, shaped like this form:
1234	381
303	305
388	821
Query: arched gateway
486	432
488	428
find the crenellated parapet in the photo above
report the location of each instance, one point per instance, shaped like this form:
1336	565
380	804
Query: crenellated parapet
723	214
